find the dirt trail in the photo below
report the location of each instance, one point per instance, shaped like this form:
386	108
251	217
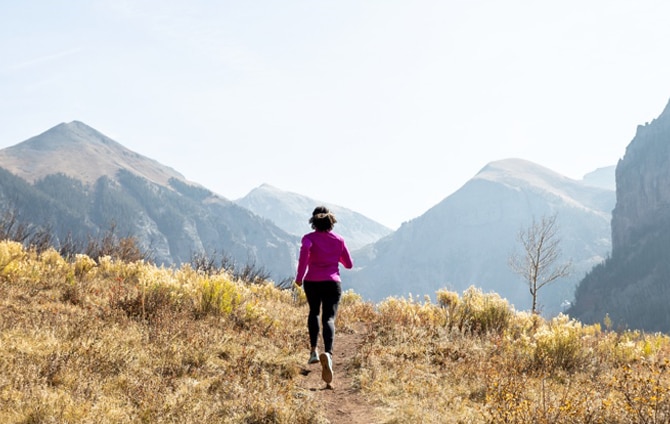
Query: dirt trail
344	404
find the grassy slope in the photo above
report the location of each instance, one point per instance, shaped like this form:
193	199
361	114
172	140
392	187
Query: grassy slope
86	342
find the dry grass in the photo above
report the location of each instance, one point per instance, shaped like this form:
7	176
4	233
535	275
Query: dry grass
465	360
89	342
128	342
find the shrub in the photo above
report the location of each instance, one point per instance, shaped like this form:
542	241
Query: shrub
448	299
124	249
204	263
349	297
83	265
146	303
10	253
483	313
560	346
218	296
408	312
645	389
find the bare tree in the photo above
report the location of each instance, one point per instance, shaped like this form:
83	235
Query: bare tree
537	264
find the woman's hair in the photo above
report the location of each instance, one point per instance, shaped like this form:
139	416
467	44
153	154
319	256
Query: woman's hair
322	219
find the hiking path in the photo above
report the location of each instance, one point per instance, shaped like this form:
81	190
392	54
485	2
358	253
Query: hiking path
344	403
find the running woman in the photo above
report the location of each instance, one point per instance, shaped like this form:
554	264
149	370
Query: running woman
321	252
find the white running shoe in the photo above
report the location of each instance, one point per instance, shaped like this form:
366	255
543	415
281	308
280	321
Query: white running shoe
326	367
313	358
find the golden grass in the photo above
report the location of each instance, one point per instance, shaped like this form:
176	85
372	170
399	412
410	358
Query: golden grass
87	342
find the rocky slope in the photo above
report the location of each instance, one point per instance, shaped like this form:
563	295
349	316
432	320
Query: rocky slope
632	286
643	183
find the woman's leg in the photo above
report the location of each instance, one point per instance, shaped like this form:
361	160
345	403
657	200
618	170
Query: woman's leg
332	292
313	294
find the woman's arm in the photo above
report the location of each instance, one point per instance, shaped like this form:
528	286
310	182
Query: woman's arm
345	257
303	260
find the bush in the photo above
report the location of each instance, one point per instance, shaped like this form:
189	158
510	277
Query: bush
559	345
408	312
482	313
218	296
11	252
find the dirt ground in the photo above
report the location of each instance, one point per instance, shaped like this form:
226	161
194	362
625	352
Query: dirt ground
344	404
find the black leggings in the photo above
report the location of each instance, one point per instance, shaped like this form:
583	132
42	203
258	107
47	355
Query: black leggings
324	294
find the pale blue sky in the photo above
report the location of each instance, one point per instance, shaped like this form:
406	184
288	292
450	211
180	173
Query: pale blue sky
384	107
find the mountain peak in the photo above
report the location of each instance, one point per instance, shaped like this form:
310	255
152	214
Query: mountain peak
64	135
514	170
268	187
516	173
73	125
79	151
78	127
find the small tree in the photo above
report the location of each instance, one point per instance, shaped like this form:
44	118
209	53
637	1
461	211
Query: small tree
537	264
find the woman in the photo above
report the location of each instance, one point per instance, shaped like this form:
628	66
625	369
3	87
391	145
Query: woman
321	252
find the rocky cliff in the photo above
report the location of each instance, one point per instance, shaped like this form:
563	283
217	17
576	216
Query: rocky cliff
632	287
643	184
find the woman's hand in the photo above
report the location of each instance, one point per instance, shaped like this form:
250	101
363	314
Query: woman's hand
298	283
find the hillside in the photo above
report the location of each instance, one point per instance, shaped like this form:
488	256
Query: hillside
77	182
291	211
125	342
467	238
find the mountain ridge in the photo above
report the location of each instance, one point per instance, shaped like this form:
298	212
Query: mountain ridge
291	211
466	239
83	152
514	171
177	216
74	174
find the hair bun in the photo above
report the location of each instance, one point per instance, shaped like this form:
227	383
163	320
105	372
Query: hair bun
322	219
320	210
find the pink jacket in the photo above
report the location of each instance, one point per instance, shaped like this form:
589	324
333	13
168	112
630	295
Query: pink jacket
321	253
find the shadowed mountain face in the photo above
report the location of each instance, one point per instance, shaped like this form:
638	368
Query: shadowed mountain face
467	238
76	180
291	212
632	286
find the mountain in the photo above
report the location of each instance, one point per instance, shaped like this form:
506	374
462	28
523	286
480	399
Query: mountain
602	177
79	151
291	212
468	237
631	287
78	181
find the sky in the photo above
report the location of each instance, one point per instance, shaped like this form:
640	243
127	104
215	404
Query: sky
384	107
